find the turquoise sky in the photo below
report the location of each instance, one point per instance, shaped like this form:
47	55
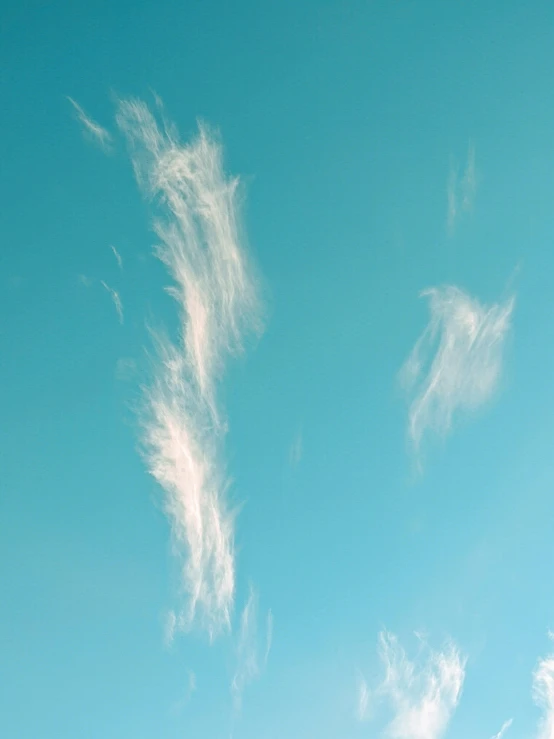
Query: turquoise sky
310	493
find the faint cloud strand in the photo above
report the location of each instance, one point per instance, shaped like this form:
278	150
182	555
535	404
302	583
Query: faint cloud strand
505	726
269	636
247	650
125	369
116	300
296	450
452	199
423	695
248	665
456	363
363	699
85	281
543	694
468	185
117	256
216	294
461	192
99	135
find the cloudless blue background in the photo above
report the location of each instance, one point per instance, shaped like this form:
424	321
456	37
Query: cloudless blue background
342	118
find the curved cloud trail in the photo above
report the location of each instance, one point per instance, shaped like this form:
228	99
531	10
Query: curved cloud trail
422	696
456	363
115	298
216	293
98	134
505	726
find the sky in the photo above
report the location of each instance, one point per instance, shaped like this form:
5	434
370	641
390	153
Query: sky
276	379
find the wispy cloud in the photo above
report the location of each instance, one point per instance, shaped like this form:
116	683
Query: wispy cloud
543	694
456	363
505	726
170	627
188	692
247	668
216	295
363	699
117	255
125	369
248	664
98	134
461	192
84	280
424	694
269	636
116	300
452	196
296	450
468	185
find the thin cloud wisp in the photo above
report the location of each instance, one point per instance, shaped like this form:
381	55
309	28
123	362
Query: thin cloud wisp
456	363
215	290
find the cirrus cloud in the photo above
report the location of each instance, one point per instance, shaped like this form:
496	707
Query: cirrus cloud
457	361
215	290
422	694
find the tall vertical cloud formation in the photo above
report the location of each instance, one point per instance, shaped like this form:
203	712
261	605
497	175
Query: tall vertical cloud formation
543	694
456	363
423	695
215	290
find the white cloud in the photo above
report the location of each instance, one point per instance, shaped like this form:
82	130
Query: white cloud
461	192
98	134
543	694
423	695
456	363
216	294
118	257
116	300
505	726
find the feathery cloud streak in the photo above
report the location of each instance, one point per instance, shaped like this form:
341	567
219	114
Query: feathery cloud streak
247	651
467	339
98	134
117	256
422	696
296	450
363	699
115	298
248	666
461	192
268	636
215	290
505	726
543	694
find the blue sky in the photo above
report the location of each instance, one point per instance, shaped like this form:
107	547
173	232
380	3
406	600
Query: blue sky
276	378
